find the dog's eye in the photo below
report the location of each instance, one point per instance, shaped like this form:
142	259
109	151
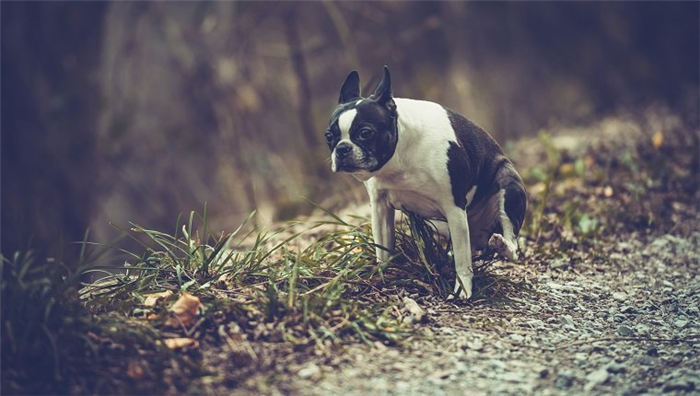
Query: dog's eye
366	133
329	137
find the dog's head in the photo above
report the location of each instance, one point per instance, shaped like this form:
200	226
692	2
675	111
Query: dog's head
362	133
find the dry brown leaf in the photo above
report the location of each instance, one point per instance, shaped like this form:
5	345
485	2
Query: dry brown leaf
152	299
658	139
184	311
566	170
134	371
180	343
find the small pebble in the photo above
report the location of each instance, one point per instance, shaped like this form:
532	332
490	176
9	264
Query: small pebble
567	321
565	379
680	323
624	331
628	310
475	345
517	337
616	368
596	378
310	370
619	296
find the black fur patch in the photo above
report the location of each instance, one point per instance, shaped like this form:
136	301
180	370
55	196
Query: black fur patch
515	203
458	168
479	161
473	162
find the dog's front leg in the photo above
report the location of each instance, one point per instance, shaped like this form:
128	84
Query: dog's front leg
383	228
461	246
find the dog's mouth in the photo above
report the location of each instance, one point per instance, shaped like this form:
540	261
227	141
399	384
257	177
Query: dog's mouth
352	165
347	167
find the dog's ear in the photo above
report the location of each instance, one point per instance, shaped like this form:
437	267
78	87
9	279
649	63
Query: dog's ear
383	92
351	88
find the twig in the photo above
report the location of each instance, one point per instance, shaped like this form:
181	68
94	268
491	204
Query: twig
691	339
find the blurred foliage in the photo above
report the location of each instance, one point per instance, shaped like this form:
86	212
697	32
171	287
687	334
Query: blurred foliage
141	110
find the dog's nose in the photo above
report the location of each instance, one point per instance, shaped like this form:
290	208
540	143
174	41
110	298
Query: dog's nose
343	149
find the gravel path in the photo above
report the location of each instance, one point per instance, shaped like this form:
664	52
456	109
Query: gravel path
628	330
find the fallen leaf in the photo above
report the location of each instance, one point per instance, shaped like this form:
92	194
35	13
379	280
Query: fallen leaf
180	343
566	170
152	299
134	371
184	311
658	139
423	285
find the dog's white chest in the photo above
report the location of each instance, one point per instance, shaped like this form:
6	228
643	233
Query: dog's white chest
416	202
414	191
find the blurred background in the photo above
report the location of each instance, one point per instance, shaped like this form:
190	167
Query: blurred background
141	111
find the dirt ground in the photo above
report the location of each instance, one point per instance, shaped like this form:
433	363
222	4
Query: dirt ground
616	316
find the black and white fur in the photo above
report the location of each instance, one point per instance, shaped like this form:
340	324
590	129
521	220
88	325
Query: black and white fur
419	156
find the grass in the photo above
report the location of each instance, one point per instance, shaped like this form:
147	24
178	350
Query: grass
301	285
313	285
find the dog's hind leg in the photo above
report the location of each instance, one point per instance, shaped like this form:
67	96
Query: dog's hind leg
512	202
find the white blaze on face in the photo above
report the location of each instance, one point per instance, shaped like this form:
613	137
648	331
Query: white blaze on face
345	122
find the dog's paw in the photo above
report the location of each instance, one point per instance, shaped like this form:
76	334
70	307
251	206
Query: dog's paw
502	246
462	293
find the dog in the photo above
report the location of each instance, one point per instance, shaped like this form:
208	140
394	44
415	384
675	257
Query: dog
421	157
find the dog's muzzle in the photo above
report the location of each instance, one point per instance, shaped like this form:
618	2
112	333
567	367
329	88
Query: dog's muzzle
343	150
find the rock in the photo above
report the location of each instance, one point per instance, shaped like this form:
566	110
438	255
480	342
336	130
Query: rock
567	321
309	371
616	368
475	345
645	361
558	263
536	323
628	310
681	323
582	360
517	337
512	376
461	367
414	309
620	296
679	385
564	379
596	378
497	364
447	331
619	318
624	331
642	329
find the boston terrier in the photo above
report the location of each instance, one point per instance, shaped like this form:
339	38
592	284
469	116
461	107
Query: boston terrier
419	156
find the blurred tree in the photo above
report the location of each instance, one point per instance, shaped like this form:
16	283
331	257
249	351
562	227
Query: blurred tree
50	105
226	102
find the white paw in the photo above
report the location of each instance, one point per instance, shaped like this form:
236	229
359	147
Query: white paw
463	293
502	246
